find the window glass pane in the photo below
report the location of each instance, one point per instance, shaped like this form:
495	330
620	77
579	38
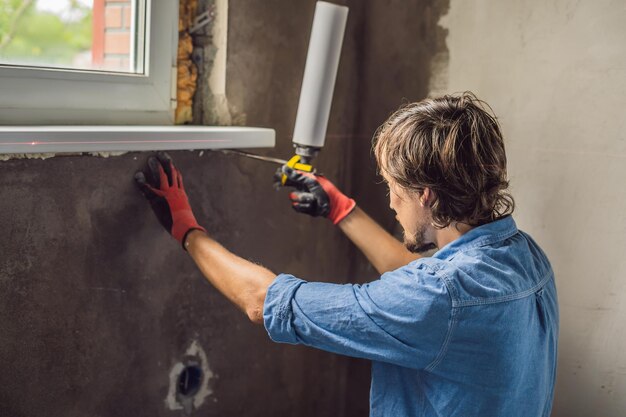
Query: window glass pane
100	35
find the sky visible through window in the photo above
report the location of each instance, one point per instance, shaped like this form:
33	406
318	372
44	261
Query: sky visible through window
62	8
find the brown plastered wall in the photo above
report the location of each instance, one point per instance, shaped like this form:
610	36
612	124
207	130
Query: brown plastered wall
98	303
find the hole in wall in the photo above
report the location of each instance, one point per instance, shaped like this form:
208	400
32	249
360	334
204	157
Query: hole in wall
189	380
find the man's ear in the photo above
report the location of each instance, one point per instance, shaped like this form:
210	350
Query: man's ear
427	197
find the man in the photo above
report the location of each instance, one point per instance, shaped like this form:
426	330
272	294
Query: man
470	331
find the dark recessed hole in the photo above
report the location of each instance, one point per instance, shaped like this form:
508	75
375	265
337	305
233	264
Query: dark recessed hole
189	381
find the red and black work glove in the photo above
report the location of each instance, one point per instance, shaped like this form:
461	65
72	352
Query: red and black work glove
162	185
316	196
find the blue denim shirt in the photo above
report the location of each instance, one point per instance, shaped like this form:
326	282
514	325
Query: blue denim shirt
470	331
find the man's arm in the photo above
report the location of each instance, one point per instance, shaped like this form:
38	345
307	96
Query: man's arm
244	283
317	196
383	250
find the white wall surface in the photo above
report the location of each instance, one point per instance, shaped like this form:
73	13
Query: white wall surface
555	74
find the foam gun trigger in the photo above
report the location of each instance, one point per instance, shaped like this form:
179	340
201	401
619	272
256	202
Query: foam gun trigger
295	163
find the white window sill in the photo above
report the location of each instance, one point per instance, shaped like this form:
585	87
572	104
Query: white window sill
54	139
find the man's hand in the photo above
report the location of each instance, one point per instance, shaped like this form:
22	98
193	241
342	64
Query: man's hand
317	196
163	186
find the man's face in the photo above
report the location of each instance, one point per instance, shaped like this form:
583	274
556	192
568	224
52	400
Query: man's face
414	217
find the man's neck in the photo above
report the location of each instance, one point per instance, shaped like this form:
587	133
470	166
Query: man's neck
450	233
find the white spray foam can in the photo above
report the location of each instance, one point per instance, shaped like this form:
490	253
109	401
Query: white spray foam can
320	73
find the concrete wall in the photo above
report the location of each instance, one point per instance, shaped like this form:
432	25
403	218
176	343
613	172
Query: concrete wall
98	304
555	73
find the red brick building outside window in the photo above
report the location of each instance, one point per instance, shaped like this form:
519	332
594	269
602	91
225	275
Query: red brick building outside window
112	37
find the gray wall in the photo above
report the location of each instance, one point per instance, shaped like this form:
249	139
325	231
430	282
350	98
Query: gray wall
555	73
98	303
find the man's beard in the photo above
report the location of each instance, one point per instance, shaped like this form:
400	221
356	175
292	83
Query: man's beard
417	242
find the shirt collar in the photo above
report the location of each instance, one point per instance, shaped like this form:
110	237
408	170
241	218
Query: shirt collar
485	234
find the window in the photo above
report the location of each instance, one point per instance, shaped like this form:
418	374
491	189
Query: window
87	61
93	63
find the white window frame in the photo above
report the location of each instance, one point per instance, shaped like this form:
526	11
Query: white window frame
39	96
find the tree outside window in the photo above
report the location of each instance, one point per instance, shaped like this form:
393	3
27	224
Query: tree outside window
72	34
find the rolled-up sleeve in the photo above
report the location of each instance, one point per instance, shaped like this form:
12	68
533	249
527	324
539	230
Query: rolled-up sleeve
402	318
